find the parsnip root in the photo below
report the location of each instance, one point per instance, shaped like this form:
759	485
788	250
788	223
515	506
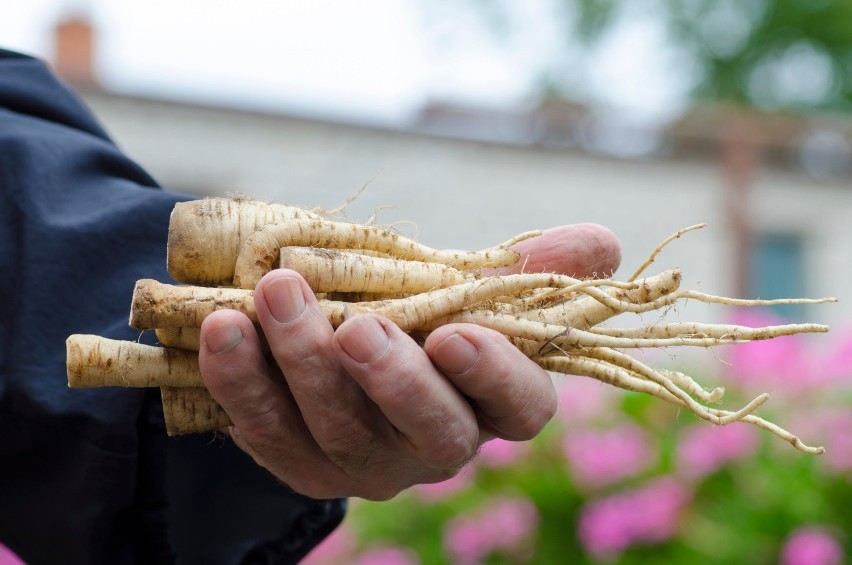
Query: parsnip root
554	319
93	361
191	410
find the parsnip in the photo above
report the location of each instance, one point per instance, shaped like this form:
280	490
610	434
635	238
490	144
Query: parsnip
333	270
587	312
567	337
94	361
157	305
222	241
621	378
205	236
184	338
192	410
262	249
553	319
416	312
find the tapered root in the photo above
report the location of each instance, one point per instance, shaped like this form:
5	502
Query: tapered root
660	247
709	331
587	312
205	236
632	365
188	339
94	361
158	305
333	270
261	250
192	410
553	319
621	378
421	310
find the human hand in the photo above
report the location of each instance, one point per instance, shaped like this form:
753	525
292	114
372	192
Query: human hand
365	411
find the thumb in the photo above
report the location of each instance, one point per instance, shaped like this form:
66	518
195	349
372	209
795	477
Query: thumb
577	250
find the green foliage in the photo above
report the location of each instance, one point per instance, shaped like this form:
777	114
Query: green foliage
744	46
790	55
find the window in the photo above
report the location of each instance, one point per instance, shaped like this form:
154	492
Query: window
777	271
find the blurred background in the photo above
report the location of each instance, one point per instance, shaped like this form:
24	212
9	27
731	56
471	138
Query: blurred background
469	121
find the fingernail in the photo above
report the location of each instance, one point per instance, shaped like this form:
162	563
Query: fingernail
285	299
364	339
223	339
455	355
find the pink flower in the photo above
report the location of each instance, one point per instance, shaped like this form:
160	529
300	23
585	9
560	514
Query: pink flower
835	365
601	458
336	548
704	448
499	453
466	540
838	441
789	364
436	492
828	426
387	556
502	526
511	520
811	546
781	363
643	516
582	399
8	557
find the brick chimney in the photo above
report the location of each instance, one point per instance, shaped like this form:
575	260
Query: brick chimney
75	51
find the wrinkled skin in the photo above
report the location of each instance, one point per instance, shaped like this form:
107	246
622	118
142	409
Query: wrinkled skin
365	411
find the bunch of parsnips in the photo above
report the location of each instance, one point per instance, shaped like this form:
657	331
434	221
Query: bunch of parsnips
220	248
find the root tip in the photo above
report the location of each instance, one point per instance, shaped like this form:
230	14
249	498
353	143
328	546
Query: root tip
717	394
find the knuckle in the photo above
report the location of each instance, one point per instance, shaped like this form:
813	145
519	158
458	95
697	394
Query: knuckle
333	433
406	389
262	418
303	349
454	449
394	384
355	454
536	418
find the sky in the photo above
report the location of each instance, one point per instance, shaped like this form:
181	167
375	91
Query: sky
373	60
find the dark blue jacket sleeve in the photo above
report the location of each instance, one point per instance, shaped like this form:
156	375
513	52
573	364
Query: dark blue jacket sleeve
87	476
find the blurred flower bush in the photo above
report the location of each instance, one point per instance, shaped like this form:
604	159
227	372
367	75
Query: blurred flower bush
624	478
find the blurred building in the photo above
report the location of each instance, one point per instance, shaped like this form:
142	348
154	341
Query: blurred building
775	191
